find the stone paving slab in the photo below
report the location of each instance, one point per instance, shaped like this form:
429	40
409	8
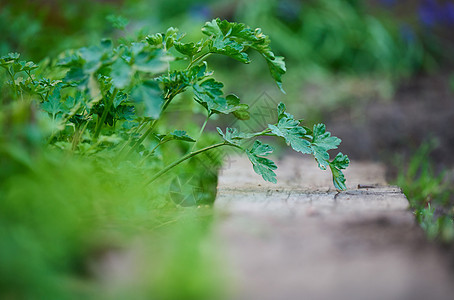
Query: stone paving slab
301	239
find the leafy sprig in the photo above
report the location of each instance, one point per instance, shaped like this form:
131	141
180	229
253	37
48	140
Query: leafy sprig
124	91
301	139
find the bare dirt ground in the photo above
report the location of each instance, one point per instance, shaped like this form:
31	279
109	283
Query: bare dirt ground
422	110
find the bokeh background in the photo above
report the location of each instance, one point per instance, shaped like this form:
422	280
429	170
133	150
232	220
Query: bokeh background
379	73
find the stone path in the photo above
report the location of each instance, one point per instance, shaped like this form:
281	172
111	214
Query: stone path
300	239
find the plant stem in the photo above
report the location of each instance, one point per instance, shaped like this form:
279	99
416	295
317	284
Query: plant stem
168	99
153	125
30	76
152	151
77	136
139	127
136	131
179	161
201	57
14	83
105	112
144	136
201	131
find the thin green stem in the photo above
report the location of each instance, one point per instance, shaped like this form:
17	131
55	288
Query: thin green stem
13	82
266	132
105	112
30	76
168	99
78	135
152	151
63	121
144	136
199	58
167	102
153	125
138	129
186	157
201	131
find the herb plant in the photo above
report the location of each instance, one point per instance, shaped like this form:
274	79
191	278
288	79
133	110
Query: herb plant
113	99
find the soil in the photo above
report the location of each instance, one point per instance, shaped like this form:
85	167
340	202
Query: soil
421	111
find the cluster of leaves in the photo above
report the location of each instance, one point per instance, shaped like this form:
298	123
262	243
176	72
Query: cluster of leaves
316	141
112	97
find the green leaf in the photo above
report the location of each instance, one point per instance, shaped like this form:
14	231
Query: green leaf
223	45
179	80
282	112
148	99
242	113
212	28
233	136
179	135
171	36
339	163
136	48
197	72
209	95
27	66
277	69
119	99
70	102
8	59
125	112
239	110
75	74
293	134
226	46
281	108
322	142
189	49
94	90
155	39
70	59
117	21
121	74
95	57
155	62
53	105
233	39
262	166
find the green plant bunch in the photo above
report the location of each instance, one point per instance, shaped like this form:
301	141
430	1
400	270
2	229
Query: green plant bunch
112	98
61	215
429	195
83	136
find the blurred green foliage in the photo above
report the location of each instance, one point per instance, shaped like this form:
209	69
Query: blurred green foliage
47	27
430	195
337	35
63	216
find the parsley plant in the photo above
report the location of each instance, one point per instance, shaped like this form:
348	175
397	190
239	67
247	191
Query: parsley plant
112	97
